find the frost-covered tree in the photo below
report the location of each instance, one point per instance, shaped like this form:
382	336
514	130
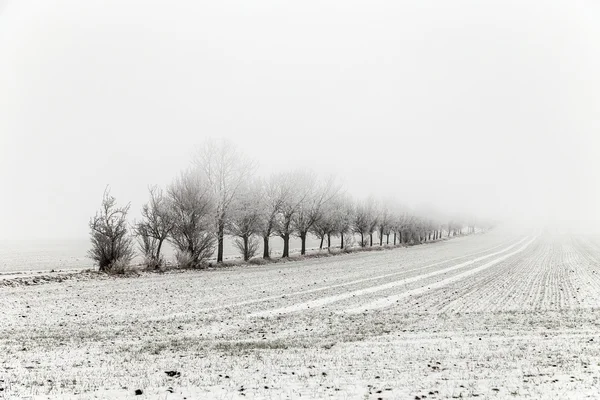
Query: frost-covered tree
296	186
328	223
336	220
373	214
244	222
344	218
225	169
385	222
273	194
193	208
155	227
363	221
112	244
323	227
402	226
314	196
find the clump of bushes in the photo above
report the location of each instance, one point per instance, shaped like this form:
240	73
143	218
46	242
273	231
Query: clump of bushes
112	245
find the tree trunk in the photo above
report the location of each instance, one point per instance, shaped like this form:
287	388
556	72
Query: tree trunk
303	239
160	242
286	245
429	235
321	245
387	239
370	240
221	233
394	238
246	252
328	241
266	254
400	237
380	238
362	240
342	241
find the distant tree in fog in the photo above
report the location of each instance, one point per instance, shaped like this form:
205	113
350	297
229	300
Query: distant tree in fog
296	185
454	228
334	220
374	216
155	227
273	194
314	196
193	209
385	222
324	226
244	221
112	245
362	221
225	169
343	217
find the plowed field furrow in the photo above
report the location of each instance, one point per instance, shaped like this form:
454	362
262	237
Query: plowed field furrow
536	280
497	315
585	269
496	258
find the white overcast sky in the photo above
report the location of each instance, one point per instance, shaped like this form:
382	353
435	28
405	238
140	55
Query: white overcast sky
488	107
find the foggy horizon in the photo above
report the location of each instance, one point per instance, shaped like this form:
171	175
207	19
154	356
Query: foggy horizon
306	199
490	110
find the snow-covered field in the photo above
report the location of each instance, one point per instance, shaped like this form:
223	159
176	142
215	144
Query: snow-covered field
488	316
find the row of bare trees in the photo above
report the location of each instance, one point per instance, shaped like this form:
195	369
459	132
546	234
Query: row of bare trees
220	195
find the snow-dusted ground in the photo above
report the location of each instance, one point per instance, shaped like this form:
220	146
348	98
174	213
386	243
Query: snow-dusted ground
488	316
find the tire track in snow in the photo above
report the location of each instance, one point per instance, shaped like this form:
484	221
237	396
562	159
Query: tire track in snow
391	300
338	285
331	299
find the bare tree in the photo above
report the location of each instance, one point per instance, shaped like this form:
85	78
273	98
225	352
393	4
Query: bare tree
225	169
244	221
314	196
344	215
454	228
385	223
157	224
273	195
362	221
111	241
336	220
296	186
323	226
403	224
327	223
373	214
192	206
398	222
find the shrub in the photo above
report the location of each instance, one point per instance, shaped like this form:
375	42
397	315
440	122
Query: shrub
118	267
258	261
111	243
152	264
184	259
193	213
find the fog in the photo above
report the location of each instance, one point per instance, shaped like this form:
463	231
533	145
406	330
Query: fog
486	108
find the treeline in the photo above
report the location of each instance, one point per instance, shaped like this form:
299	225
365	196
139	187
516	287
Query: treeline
220	195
